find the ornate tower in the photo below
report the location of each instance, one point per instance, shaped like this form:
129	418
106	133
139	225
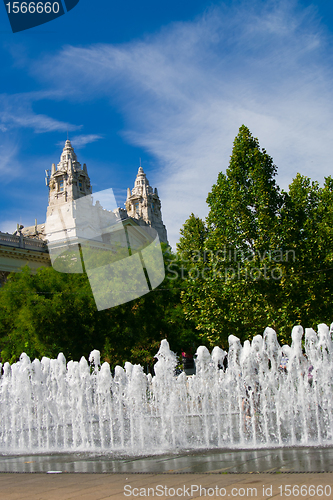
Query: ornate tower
68	181
144	205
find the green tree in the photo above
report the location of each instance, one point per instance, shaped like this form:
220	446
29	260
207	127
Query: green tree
46	313
53	312
244	203
193	238
306	234
231	294
267	255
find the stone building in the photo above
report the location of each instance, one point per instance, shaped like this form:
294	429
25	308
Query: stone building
143	205
68	182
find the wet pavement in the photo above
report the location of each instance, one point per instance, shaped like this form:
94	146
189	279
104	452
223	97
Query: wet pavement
164	486
273	460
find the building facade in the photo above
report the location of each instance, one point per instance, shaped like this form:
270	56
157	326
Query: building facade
69	182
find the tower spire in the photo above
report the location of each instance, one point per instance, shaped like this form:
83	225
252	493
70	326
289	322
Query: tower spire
68	181
143	204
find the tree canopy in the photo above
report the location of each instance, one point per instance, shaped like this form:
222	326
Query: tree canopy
52	312
265	255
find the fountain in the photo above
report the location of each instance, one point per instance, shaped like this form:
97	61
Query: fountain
256	395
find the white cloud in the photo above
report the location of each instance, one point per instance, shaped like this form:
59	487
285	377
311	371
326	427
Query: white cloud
16	112
186	90
79	141
39	123
10	166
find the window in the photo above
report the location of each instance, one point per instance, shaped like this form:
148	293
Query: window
61	185
80	186
137	207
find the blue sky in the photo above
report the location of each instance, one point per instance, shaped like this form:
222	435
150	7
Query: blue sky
169	82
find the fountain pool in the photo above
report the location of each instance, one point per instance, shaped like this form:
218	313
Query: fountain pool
255	396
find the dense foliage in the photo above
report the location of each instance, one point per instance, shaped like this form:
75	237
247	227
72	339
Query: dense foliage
263	257
53	312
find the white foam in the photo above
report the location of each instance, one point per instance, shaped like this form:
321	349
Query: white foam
267	396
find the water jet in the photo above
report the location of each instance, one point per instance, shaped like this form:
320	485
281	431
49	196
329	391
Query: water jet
267	396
